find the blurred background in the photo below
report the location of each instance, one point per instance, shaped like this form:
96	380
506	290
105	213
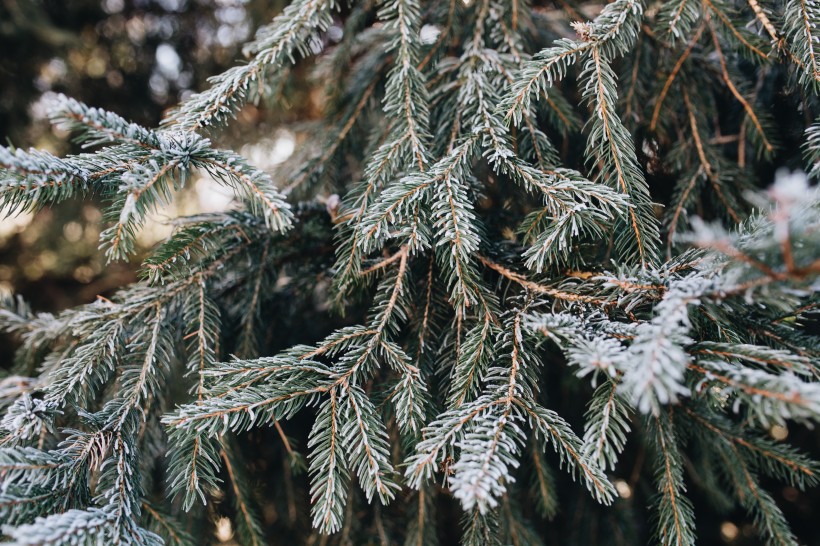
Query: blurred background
138	58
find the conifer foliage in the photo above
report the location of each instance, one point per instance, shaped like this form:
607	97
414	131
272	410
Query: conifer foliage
523	199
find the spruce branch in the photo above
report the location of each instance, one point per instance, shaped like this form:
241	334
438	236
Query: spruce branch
493	278
800	30
607	426
289	34
676	518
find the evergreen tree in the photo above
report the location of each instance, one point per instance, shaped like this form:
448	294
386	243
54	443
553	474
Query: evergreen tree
535	202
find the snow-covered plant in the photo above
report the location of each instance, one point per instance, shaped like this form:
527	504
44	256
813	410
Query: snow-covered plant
500	204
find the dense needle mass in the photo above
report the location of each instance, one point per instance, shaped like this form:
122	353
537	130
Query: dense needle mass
533	202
